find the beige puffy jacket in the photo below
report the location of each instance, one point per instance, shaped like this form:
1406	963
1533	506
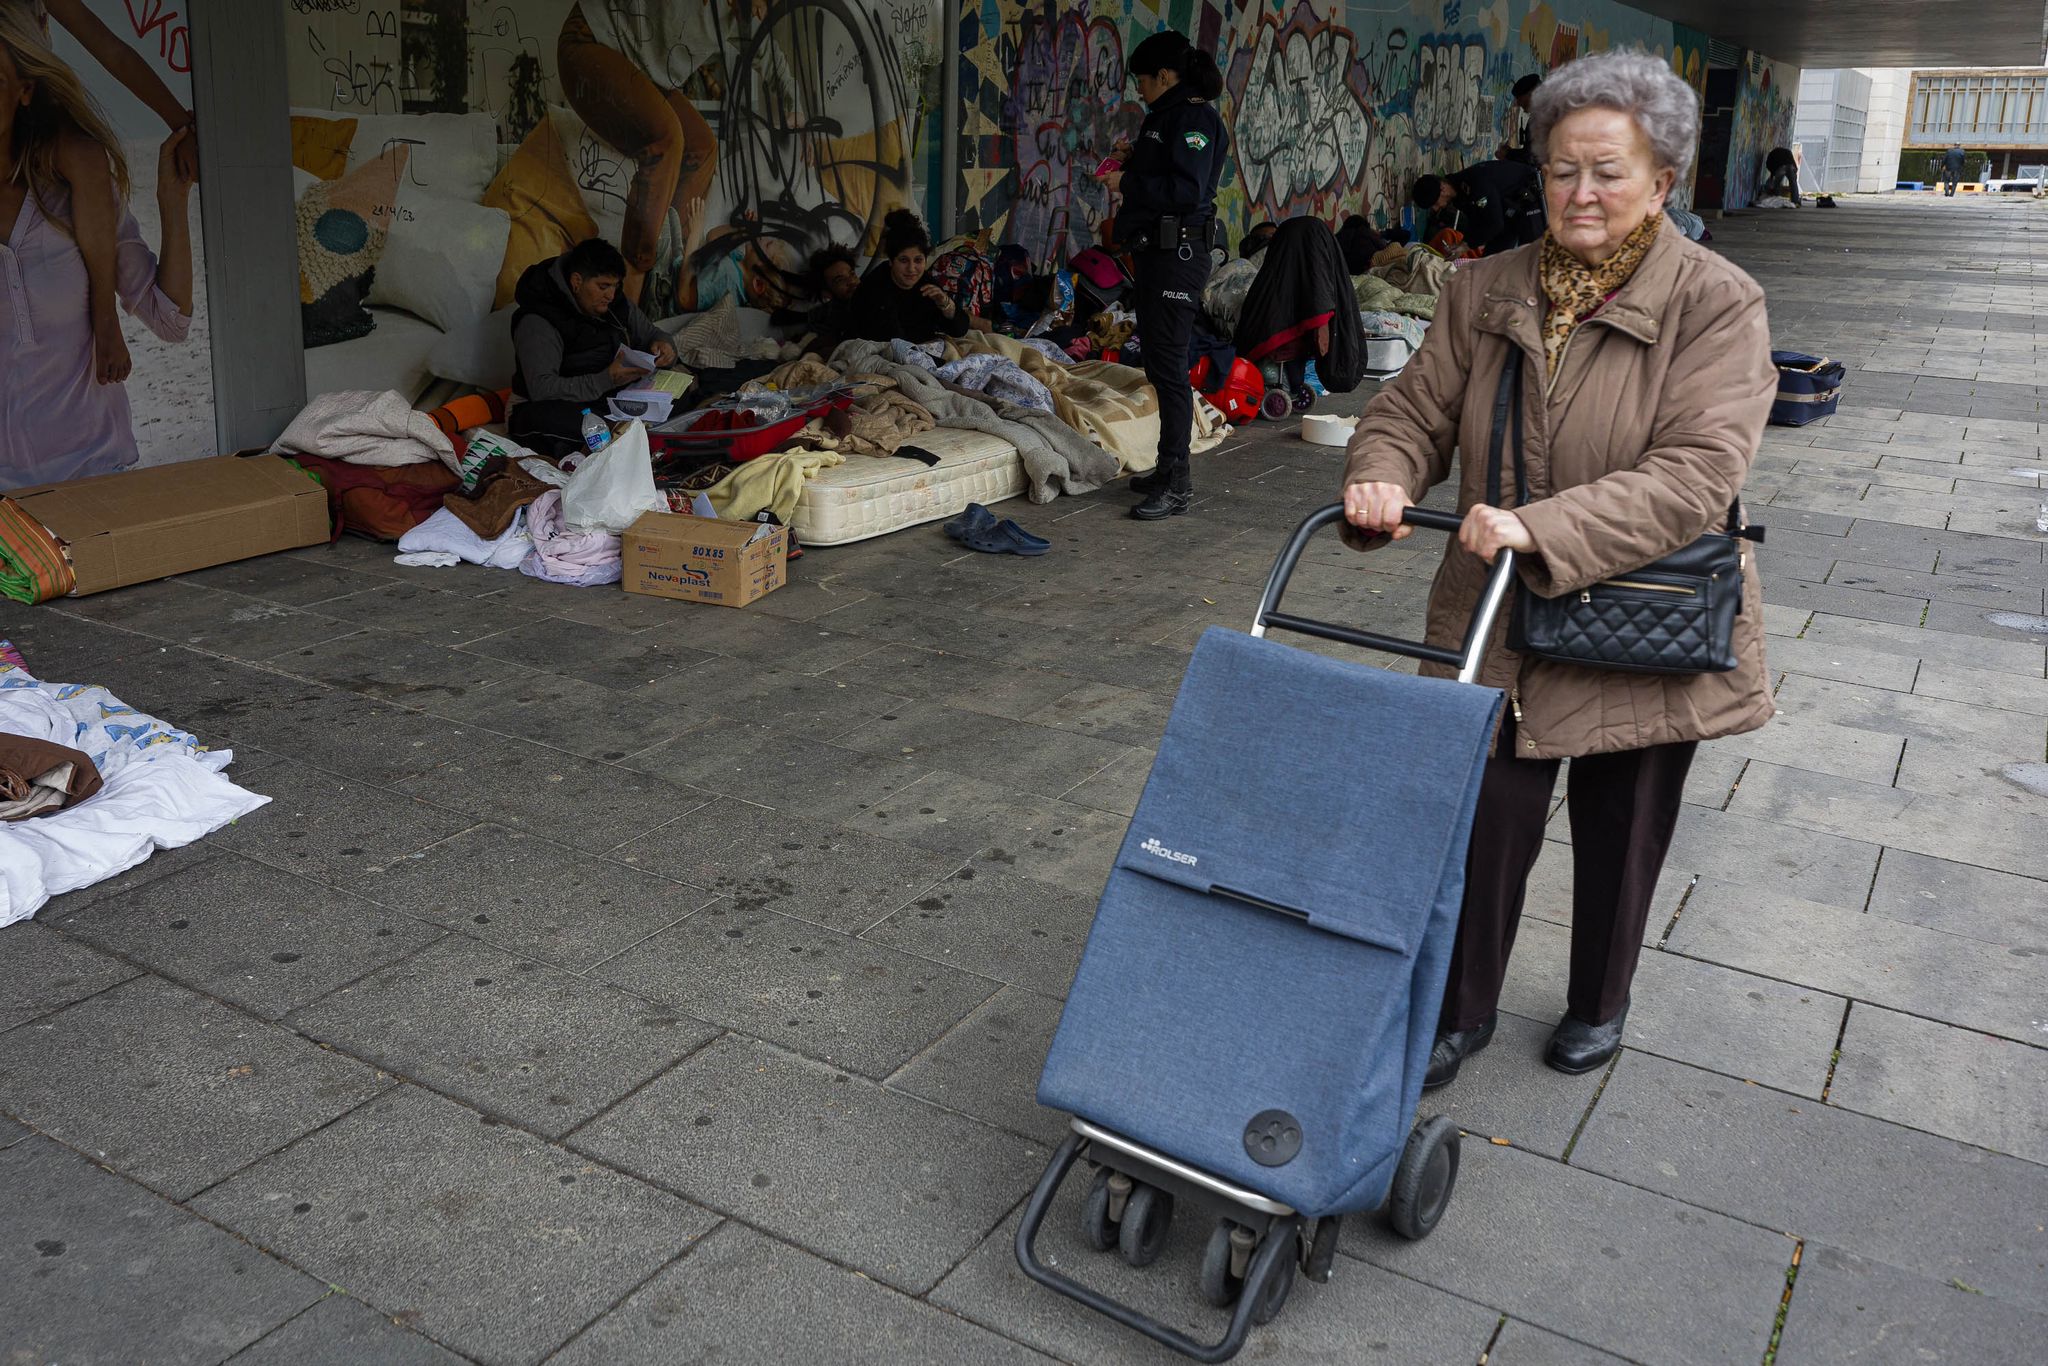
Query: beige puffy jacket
1635	448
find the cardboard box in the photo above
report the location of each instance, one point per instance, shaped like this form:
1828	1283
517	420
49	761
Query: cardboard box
703	559
171	519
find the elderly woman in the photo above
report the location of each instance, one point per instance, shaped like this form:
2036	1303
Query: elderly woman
1646	381
57	421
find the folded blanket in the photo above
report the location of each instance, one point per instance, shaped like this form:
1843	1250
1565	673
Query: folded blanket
1417	270
33	566
41	778
383	503
364	427
446	536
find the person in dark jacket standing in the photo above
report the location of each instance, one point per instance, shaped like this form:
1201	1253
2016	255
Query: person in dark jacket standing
1515	146
1952	169
897	300
1497	205
566	334
1167	220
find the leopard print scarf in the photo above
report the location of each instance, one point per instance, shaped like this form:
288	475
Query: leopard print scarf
1577	291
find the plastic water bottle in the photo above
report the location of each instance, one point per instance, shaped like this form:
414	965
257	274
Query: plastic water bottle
596	436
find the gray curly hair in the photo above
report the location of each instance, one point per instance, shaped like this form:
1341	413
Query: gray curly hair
1632	82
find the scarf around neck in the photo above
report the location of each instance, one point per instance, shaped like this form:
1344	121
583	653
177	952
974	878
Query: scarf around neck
1576	291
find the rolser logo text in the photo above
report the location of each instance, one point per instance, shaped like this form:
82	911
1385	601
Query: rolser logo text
1153	846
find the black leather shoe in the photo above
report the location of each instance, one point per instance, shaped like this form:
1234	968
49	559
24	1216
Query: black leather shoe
1580	1047
1452	1049
1163	503
1149	483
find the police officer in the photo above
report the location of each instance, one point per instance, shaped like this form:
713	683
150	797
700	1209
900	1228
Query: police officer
1167	221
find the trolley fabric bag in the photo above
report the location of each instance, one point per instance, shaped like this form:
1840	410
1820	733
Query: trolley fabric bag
1809	388
1276	930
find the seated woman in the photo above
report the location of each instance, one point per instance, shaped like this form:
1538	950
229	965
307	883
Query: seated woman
566	333
897	300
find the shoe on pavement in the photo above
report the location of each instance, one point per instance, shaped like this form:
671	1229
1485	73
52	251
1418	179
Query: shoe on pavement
1580	1047
1164	503
1453	1048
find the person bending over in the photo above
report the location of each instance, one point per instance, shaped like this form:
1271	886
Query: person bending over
570	322
1497	205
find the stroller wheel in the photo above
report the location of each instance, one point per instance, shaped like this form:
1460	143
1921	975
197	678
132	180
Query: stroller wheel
1148	1214
1424	1179
1219	1287
1095	1220
1278	1287
1276	405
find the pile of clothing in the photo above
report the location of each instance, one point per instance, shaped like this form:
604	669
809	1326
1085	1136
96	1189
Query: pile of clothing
90	787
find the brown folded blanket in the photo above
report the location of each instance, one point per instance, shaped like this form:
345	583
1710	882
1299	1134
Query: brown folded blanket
38	778
499	496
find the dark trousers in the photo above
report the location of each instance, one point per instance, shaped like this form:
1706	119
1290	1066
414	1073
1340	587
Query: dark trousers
1949	177
1169	298
1623	808
552	426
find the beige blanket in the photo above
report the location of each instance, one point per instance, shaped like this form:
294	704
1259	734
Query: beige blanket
1114	406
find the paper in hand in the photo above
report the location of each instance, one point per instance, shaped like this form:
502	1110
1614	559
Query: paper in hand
639	360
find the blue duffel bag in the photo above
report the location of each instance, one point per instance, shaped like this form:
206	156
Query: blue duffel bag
1809	388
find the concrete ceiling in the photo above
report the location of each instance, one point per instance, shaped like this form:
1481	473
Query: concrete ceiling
1876	33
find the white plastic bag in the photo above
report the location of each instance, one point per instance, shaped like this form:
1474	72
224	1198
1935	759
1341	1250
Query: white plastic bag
612	488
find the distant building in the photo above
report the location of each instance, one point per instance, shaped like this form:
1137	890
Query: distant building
1998	115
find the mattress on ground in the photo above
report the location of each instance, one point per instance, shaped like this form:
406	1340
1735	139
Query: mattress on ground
874	495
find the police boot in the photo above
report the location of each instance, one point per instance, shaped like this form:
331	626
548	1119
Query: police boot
1151	482
1168	501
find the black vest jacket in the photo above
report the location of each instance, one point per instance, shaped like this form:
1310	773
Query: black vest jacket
588	344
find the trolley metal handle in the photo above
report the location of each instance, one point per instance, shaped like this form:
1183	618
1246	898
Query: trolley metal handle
1467	659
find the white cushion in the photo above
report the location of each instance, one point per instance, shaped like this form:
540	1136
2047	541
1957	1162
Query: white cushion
441	260
452	154
477	353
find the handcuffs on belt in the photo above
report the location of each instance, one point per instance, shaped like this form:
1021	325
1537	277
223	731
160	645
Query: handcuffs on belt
1172	236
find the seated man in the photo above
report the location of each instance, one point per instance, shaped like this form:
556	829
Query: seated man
832	277
566	334
1496	205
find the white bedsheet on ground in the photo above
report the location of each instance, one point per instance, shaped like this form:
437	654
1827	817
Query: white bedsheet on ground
162	790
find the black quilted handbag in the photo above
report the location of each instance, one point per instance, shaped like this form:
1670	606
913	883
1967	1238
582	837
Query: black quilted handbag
1672	616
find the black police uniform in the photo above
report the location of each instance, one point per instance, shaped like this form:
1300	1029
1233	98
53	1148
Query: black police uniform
1167	220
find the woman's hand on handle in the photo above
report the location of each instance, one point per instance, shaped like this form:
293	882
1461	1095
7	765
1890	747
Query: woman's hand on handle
1375	507
1489	530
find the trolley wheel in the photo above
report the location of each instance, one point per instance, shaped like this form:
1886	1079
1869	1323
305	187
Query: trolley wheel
1148	1214
1424	1179
1278	1287
1276	405
1219	1287
1095	1220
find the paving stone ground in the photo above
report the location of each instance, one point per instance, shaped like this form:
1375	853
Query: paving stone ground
614	980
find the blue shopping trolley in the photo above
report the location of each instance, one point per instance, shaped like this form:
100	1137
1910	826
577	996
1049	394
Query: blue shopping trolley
1253	1014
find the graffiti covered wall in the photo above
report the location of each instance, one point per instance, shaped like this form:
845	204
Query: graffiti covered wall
1764	106
718	142
1333	110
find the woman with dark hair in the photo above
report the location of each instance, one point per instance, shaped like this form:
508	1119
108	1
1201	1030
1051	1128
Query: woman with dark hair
897	300
1166	223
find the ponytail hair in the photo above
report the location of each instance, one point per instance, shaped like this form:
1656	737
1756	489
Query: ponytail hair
1171	51
902	230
